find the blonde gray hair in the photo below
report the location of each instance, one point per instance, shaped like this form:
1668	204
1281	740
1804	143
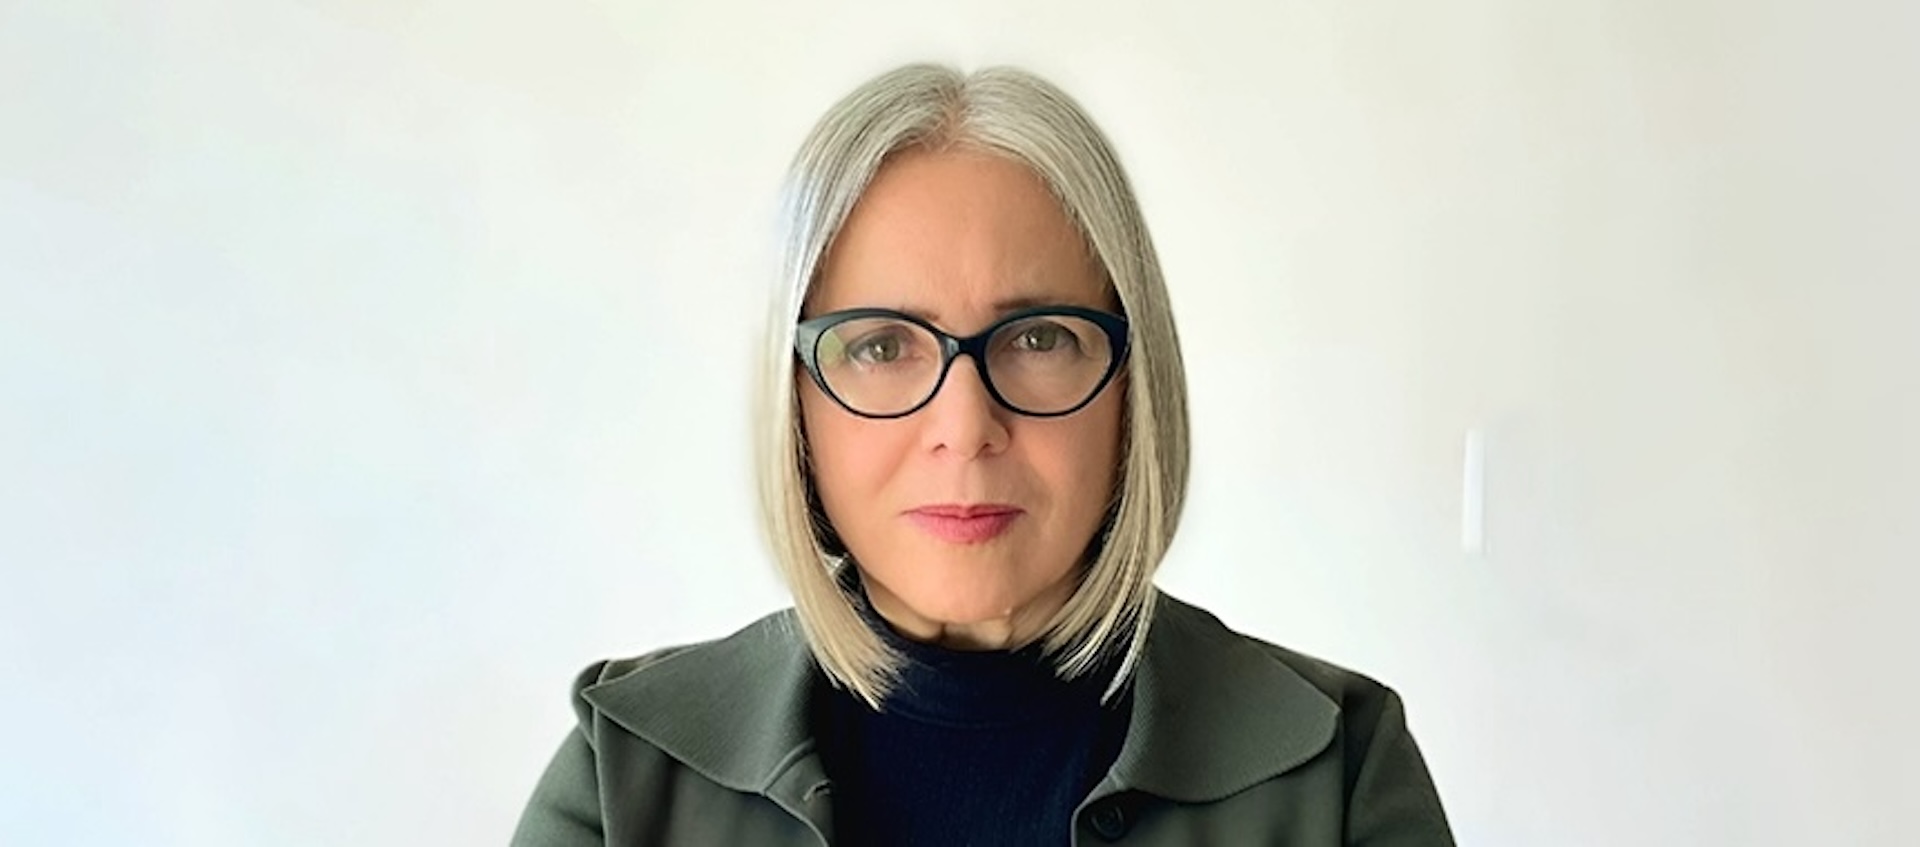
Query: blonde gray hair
1013	113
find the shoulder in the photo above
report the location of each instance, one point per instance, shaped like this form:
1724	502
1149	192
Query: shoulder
1253	710
715	662
1369	730
1347	687
1358	696
1218	711
732	709
681	731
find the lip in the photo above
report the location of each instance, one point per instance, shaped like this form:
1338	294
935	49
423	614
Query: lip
958	523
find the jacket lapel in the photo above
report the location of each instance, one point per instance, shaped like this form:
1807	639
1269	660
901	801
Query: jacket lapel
1213	714
734	710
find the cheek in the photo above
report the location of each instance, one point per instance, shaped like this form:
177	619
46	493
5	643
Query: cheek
1082	461
846	453
1099	443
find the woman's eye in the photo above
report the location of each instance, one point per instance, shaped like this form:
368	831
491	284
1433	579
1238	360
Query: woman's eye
876	349
1042	338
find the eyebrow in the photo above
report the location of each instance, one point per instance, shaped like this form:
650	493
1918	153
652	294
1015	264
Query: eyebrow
1000	307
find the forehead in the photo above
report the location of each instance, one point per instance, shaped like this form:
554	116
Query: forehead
958	237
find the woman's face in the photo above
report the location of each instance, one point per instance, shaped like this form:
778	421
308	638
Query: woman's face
962	238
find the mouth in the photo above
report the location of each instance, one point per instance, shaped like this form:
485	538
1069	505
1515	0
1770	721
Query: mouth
965	524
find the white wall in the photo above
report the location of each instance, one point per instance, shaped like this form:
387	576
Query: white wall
366	368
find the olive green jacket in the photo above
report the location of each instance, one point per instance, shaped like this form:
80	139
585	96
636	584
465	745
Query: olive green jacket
1232	741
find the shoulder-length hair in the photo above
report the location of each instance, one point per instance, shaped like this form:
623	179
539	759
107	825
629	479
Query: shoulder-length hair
1013	113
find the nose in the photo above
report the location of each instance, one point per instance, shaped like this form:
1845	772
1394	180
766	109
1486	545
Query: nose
962	417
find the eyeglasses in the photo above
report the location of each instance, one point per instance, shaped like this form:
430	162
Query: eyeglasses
1041	362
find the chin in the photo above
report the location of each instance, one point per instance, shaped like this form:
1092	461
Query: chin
953	609
959	593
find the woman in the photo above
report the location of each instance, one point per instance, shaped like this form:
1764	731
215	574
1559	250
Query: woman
974	459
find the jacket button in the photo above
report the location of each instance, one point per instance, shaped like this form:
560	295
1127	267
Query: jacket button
1109	820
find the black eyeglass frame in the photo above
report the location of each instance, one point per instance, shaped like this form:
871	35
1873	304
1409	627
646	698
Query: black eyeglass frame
806	344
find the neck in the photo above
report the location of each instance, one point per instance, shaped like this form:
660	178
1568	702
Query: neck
1011	631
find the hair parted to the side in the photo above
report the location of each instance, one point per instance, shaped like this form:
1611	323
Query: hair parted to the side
1013	113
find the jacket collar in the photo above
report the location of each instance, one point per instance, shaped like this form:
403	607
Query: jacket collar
734	710
1213	713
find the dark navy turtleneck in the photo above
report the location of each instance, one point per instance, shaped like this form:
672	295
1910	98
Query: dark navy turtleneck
971	748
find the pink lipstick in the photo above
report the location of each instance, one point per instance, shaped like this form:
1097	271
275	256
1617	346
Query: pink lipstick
957	524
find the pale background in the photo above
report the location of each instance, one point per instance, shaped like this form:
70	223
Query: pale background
367	368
